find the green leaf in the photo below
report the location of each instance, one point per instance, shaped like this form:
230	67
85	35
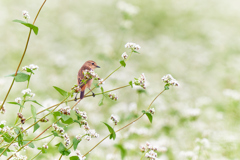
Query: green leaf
20	77
34	28
62	149
7	137
122	62
33	110
36	126
75	143
5	153
44	150
34	101
122	149
31	145
149	115
135	51
111	130
74	158
2	125
101	100
131	84
139	91
61	91
65	117
68	121
166	87
56	114
15	103
55	134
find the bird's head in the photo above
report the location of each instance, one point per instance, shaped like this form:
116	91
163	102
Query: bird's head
91	64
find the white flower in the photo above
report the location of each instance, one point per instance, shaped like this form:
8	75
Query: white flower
152	110
26	91
31	67
141	81
25	15
101	81
124	55
114	119
128	8
3	122
80	156
45	146
170	80
18	100
78	137
132	46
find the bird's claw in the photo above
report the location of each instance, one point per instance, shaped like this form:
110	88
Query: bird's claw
75	99
93	94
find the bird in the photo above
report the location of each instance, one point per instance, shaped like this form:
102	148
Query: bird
82	81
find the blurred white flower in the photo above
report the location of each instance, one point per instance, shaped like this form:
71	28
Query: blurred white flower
25	15
127	8
170	80
18	100
232	94
124	55
133	46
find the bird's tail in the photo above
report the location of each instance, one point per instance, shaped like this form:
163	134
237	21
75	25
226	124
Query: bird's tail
82	94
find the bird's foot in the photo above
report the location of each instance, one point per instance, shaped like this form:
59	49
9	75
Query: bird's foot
93	94
75	99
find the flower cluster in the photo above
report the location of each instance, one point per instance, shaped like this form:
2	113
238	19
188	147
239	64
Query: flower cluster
113	96
25	15
141	81
170	80
27	92
7	130
114	119
91	133
2	110
17	156
66	139
57	128
149	151
82	114
66	110
80	156
132	46
124	55
21	117
30	68
89	74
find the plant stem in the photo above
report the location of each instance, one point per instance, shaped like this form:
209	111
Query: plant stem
26	46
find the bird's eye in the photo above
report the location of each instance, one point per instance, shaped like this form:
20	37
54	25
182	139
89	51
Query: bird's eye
92	63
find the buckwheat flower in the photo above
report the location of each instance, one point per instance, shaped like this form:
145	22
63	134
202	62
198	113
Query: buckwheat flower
80	156
141	81
32	95
33	67
133	46
66	110
25	15
66	139
142	148
170	80
15	145
127	8
26	91
17	156
18	100
152	110
45	146
113	96
88	138
151	155
86	127
79	137
101	81
124	55
92	133
83	122
2	110
114	119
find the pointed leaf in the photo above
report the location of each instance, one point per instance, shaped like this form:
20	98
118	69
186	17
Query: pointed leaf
20	77
149	115
33	27
74	158
33	110
131	84
36	126
111	130
75	143
122	149
61	91
34	101
15	103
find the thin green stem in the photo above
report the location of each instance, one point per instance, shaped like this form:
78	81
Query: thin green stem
41	151
124	126
142	156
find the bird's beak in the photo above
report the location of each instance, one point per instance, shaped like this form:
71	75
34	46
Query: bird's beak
98	66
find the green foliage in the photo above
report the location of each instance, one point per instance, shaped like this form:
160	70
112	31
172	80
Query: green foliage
111	130
149	115
75	143
62	149
122	150
20	77
61	91
33	27
123	63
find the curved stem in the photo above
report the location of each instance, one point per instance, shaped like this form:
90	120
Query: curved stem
22	56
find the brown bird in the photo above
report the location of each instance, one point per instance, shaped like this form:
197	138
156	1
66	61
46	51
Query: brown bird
82	81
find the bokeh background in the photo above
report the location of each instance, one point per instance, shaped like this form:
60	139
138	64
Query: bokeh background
197	42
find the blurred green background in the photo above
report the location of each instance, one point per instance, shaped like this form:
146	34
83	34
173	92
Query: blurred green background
197	42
